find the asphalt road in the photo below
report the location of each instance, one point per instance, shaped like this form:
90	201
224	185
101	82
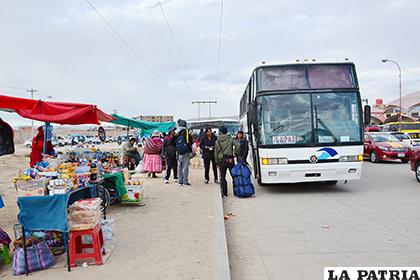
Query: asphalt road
294	231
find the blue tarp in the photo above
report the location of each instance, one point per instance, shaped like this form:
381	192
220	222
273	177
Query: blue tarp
48	212
43	212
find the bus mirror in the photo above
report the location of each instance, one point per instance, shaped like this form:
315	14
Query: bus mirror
367	115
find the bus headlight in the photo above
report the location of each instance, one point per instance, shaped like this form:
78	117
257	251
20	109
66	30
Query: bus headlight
273	161
351	158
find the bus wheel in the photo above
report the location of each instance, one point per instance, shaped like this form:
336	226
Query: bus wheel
331	183
418	172
374	157
259	180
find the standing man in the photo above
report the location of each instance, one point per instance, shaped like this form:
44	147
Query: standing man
224	157
207	144
169	154
184	142
241	148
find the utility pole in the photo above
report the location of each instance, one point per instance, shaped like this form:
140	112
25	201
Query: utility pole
32	91
204	102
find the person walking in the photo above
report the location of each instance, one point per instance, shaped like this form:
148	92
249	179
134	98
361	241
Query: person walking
224	157
241	148
184	141
152	155
169	154
208	141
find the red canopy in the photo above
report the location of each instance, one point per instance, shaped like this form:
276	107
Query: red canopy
54	112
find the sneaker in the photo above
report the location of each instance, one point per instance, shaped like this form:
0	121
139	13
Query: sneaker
207	181
216	181
187	184
180	184
166	181
176	180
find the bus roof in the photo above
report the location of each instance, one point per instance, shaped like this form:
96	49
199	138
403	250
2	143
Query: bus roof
267	65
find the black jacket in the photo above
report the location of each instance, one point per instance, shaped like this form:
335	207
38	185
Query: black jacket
207	146
241	149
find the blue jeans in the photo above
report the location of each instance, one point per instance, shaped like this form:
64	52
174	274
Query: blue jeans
183	168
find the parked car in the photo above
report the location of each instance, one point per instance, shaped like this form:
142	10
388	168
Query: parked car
123	138
58	141
372	128
415	138
384	146
27	143
93	140
77	138
403	137
415	162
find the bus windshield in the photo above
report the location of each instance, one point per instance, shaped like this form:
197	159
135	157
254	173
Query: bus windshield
309	119
291	77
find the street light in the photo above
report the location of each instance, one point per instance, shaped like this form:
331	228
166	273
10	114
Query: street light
399	75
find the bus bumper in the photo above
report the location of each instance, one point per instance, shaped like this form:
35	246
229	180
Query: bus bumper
298	173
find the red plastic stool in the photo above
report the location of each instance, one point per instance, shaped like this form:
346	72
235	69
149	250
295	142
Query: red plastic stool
77	247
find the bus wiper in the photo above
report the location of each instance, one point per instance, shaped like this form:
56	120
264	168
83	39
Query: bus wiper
329	130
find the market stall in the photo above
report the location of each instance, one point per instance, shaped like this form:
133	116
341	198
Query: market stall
54	185
146	128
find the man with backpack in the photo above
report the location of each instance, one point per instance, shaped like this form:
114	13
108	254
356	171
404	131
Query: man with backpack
224	157
169	154
184	141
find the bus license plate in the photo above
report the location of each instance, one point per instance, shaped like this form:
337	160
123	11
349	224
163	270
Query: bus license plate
401	155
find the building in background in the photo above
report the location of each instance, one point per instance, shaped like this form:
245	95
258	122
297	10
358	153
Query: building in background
384	113
155	118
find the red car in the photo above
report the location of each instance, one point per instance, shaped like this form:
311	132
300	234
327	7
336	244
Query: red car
415	162
383	146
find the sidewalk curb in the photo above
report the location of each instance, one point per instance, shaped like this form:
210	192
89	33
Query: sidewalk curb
222	259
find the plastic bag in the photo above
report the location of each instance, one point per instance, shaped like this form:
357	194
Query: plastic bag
140	167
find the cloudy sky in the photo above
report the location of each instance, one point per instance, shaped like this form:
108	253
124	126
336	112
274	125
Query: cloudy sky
64	49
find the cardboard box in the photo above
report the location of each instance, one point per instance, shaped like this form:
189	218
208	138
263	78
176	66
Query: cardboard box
36	187
135	194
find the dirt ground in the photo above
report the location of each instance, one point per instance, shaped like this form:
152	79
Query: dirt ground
9	166
173	236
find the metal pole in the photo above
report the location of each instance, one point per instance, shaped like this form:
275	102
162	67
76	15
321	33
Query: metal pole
400	87
400	117
32	97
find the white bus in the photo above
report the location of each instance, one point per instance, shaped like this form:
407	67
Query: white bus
304	122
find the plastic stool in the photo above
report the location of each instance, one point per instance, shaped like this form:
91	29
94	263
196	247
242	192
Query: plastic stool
4	253
77	246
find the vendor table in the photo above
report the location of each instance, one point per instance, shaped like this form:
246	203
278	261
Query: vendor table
44	213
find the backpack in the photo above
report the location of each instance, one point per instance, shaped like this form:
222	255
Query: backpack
181	143
242	184
7	145
170	148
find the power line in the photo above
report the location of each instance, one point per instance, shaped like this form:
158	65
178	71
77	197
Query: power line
174	39
14	87
220	39
136	54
